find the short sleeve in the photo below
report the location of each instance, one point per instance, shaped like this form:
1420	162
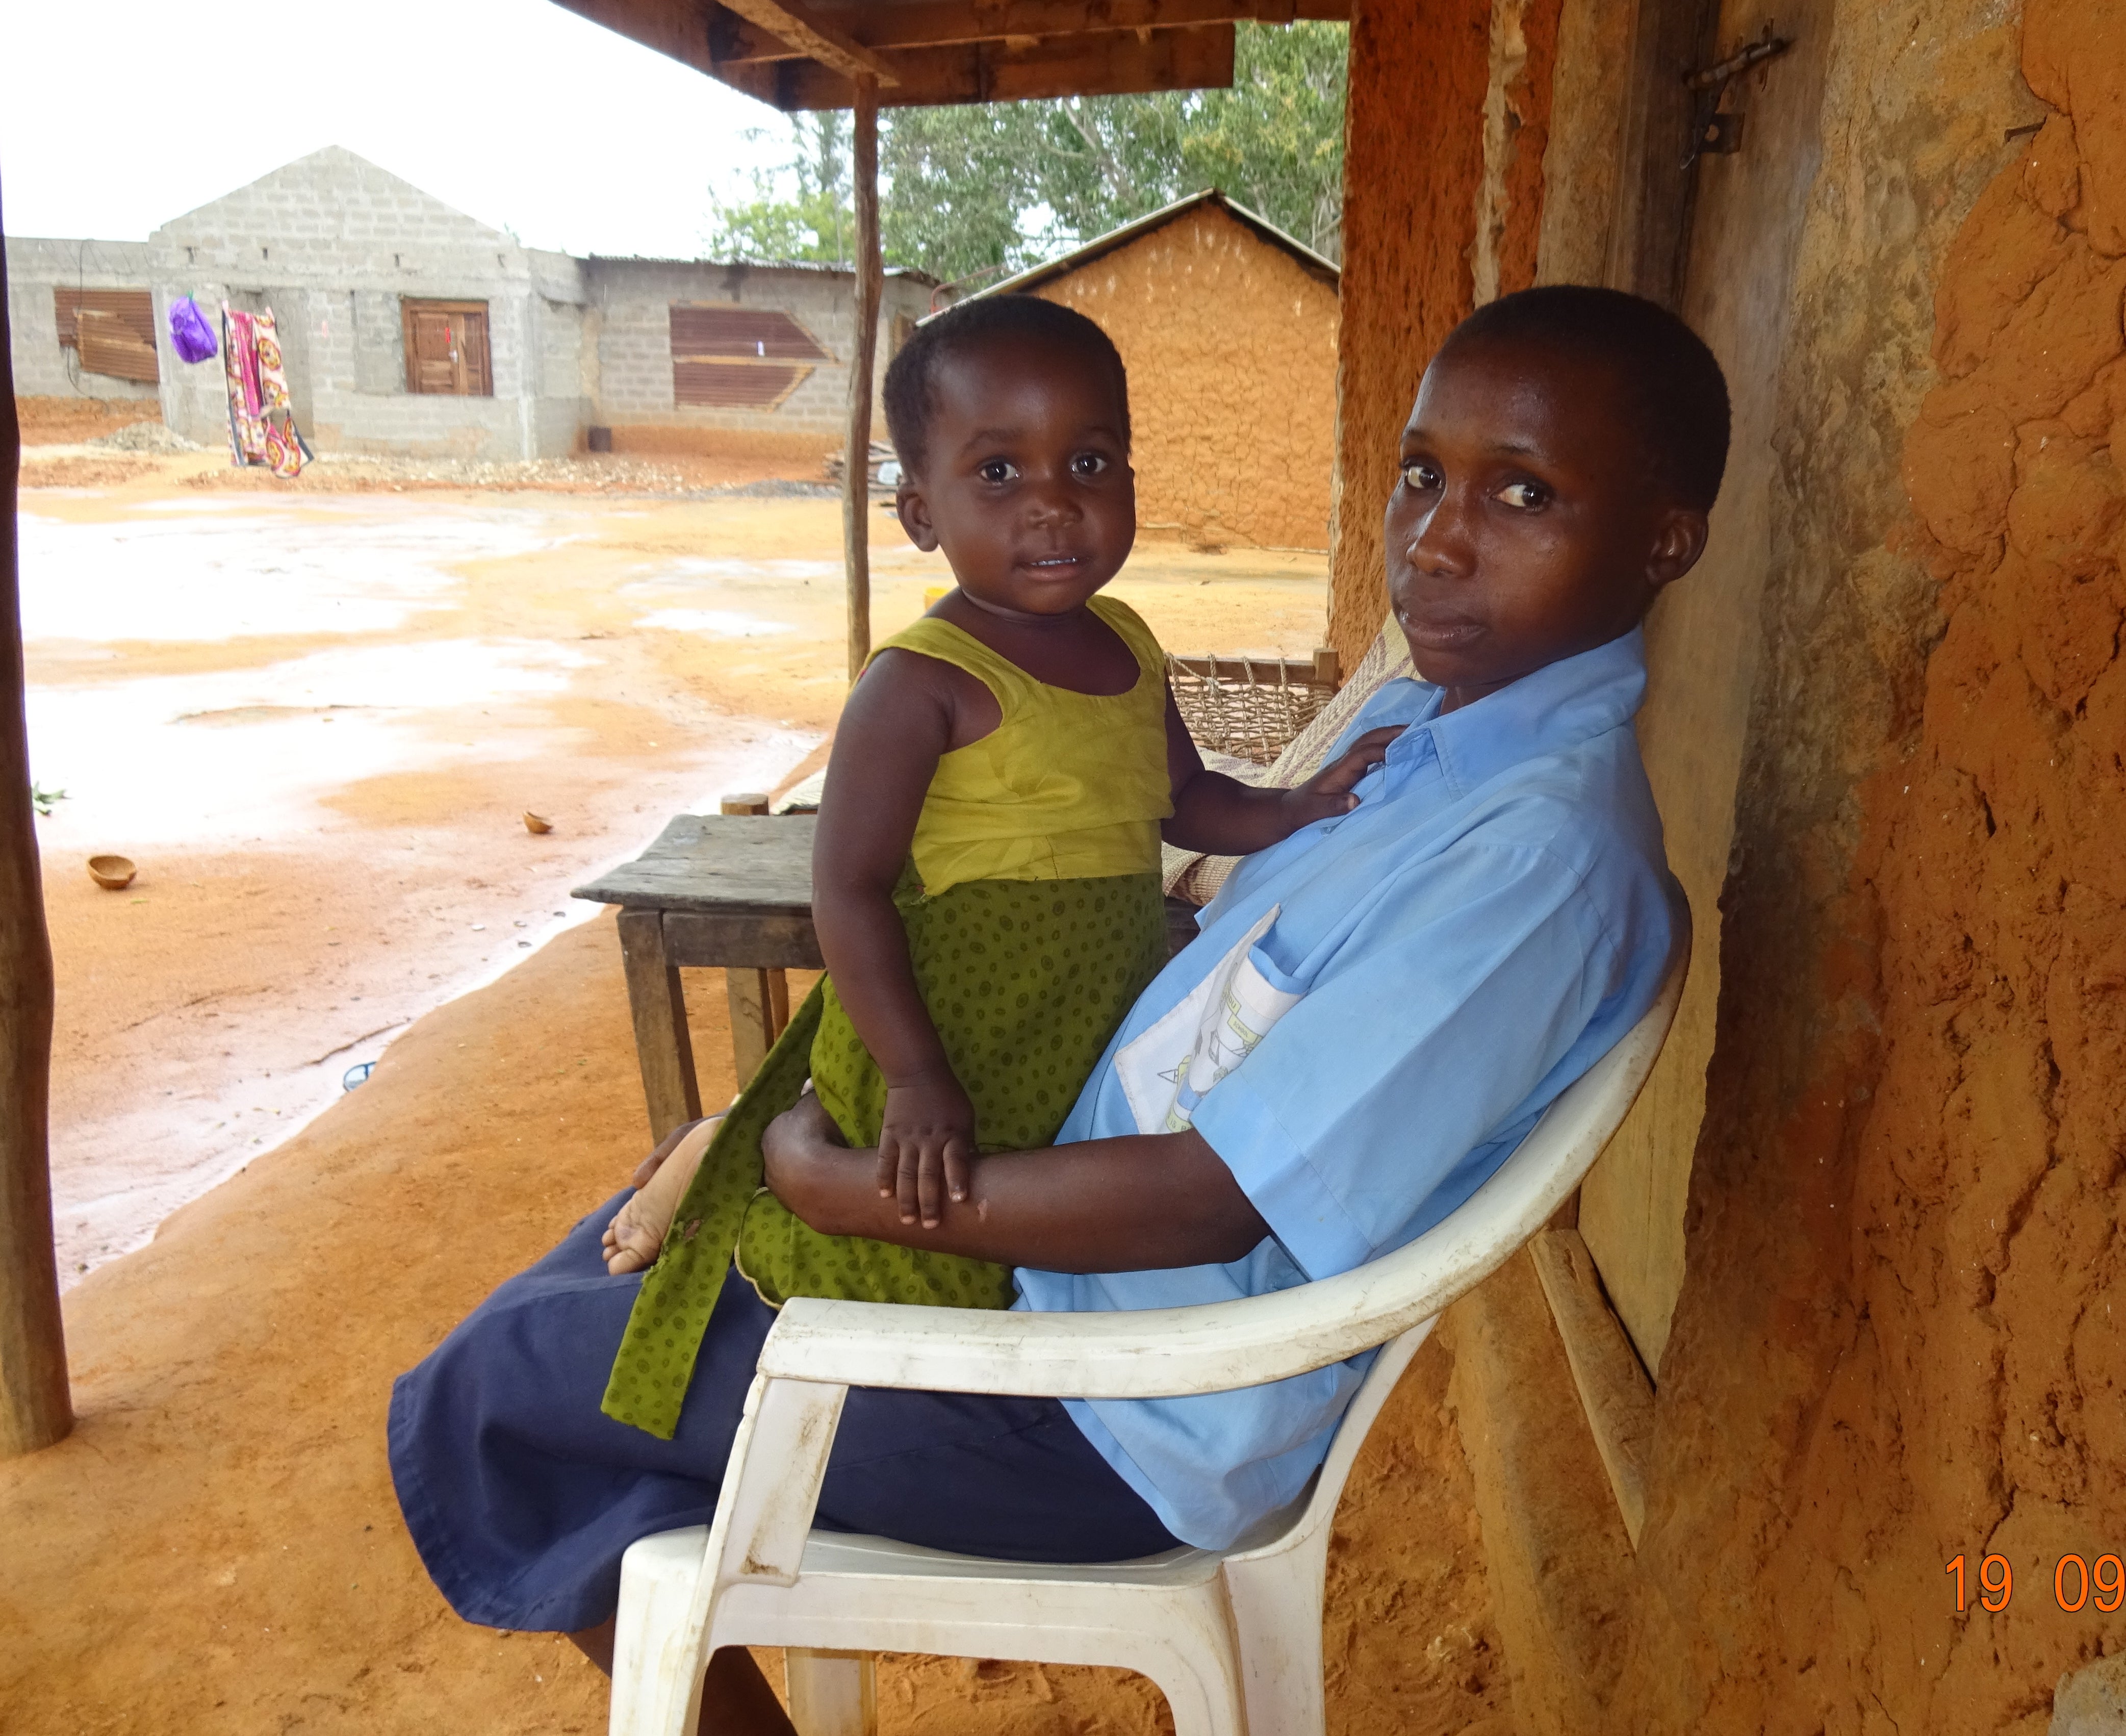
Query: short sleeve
1422	1041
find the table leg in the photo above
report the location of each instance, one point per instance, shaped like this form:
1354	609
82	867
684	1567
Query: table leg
662	1046
759	1009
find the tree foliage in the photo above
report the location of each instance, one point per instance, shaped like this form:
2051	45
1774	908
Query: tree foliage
814	222
987	189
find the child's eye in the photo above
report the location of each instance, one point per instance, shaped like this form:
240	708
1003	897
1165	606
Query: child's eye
997	470
1421	474
1528	496
1089	464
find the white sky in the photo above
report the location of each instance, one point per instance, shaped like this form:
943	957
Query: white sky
515	111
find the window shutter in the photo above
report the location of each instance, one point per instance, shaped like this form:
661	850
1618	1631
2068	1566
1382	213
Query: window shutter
738	358
124	346
109	346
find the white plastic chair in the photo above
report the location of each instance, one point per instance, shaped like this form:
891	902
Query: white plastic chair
1232	1638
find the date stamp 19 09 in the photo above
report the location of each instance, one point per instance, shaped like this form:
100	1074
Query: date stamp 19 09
2076	1582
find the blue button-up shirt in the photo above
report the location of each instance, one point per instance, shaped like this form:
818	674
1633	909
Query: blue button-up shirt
1491	918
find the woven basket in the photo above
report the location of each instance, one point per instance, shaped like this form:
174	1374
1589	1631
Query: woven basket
1251	707
1197	877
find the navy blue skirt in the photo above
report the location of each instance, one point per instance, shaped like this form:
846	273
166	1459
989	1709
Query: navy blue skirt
521	1495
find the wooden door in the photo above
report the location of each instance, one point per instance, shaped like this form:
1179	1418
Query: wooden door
447	349
1704	637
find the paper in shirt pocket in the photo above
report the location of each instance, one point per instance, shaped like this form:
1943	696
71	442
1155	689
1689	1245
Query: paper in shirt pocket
1166	1072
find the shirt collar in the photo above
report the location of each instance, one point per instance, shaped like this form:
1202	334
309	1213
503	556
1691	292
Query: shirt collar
1559	706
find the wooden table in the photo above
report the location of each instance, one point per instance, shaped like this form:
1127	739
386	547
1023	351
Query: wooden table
731	891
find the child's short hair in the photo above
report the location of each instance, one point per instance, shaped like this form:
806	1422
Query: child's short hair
908	394
1674	395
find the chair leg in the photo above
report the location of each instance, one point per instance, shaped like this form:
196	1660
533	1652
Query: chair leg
831	1693
1276	1603
656	1679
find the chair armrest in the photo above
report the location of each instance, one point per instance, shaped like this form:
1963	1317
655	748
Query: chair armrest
1151	1353
1161	1353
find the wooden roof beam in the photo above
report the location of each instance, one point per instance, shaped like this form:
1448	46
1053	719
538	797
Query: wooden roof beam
808	35
734	41
1110	63
678	29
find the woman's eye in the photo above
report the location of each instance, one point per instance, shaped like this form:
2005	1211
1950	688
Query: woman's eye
1420	475
1527	496
997	470
1089	464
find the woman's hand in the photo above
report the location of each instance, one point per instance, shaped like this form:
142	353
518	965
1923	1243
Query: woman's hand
800	1147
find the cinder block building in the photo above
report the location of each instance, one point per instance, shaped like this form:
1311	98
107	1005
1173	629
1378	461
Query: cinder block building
407	327
1228	326
48	282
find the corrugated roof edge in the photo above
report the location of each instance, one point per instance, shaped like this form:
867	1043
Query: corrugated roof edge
1325	269
758	265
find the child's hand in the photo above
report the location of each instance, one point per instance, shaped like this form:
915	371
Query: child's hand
926	1145
1328	793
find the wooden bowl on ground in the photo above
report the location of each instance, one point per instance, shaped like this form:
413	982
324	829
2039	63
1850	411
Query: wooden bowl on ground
113	873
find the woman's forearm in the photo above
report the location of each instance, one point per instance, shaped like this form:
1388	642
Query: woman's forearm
1144	1202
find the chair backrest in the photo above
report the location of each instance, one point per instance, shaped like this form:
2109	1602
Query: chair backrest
1386	1296
1510	1207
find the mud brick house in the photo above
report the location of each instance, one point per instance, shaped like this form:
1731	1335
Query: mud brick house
1227	326
407	327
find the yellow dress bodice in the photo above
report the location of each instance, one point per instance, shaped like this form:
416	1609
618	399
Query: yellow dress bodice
1069	785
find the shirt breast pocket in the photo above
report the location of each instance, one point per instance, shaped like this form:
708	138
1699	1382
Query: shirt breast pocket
1167	1071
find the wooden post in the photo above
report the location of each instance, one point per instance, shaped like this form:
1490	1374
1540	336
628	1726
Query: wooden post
856	499
1650	233
36	1409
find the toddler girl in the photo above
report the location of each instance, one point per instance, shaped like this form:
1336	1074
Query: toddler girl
985	876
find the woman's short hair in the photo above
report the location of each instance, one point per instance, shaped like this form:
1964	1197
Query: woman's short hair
1671	387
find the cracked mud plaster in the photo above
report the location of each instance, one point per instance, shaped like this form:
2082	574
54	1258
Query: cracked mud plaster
1901	1336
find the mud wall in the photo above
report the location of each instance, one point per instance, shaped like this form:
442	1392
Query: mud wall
1898	1339
1230	345
1443	142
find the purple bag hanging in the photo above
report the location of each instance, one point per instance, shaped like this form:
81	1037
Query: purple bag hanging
190	335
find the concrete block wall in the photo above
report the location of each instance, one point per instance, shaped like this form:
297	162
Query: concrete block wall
334	244
35	268
632	301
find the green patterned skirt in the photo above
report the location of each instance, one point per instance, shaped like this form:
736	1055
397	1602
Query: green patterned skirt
1025	980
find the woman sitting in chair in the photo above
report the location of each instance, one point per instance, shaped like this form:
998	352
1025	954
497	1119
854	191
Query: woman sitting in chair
1374	1014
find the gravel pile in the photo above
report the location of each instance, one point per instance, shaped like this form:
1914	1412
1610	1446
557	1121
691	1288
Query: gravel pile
145	436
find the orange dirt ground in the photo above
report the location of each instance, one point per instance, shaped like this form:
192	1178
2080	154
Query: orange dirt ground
216	1548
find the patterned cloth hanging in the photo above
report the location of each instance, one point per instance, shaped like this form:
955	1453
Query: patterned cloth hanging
261	422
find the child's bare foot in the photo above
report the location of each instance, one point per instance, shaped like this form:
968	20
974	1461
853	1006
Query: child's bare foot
635	1236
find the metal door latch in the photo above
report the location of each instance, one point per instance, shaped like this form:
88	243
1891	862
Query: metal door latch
1715	132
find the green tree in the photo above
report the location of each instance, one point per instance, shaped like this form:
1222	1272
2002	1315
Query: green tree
986	189
814	224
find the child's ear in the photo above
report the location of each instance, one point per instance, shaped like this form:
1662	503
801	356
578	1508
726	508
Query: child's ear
1680	535
914	512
